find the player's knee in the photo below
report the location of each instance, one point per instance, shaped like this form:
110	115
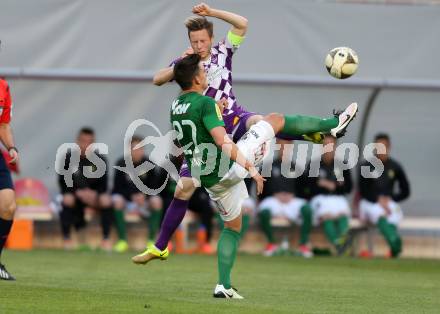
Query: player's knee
184	189
8	210
105	200
156	203
69	200
276	120
234	224
118	203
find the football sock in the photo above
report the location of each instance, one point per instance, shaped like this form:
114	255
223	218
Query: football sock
226	253
389	231
154	223
330	231
173	217
396	248
244	225
265	216
5	228
342	226
390	234
120	224
306	227
106	221
299	125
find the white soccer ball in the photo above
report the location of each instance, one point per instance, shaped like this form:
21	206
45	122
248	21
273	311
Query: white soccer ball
341	62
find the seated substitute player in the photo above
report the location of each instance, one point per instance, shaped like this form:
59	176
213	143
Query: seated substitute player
7	194
281	198
330	206
217	62
126	196
85	192
380	196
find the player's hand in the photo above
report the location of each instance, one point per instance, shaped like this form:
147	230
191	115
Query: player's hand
13	153
384	203
187	52
222	104
259	180
202	9
327	184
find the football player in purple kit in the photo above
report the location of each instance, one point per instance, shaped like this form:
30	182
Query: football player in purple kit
217	61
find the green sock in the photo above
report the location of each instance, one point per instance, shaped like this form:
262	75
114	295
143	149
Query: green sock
154	224
330	231
306	227
390	234
397	245
342	226
120	224
299	125
226	253
265	216
244	225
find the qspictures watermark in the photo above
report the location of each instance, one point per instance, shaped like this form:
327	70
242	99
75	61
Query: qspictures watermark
164	148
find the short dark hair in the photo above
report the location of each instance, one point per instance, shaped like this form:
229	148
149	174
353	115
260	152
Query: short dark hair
86	130
197	23
382	136
136	138
185	70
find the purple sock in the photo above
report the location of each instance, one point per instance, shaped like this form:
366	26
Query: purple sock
173	217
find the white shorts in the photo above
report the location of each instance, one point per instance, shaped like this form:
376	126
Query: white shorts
290	210
371	212
329	205
230	193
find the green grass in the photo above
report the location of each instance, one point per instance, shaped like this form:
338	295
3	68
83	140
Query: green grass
87	282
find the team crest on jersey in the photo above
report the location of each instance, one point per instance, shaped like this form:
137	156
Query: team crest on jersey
391	174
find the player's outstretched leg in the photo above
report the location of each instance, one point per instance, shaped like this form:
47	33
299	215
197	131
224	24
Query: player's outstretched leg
297	125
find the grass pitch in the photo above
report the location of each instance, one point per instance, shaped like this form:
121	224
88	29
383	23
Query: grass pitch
89	282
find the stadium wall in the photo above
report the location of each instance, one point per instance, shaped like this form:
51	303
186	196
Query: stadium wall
285	37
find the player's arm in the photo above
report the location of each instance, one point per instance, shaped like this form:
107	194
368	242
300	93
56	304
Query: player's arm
166	74
403	183
230	149
6	136
163	76
238	22
213	122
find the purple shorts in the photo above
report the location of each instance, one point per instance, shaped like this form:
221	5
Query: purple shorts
235	125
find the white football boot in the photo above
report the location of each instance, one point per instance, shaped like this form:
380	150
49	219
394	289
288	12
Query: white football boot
221	292
345	118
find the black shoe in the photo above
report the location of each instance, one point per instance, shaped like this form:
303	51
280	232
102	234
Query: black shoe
4	274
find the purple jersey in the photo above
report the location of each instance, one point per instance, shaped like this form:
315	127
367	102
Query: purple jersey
219	75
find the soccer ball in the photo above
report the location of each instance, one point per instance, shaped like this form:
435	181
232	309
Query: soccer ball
341	62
